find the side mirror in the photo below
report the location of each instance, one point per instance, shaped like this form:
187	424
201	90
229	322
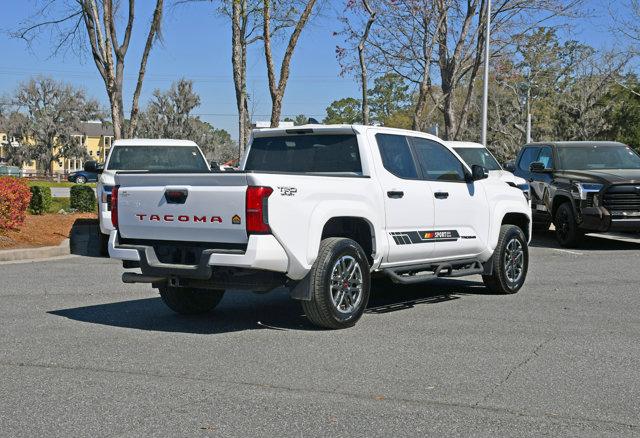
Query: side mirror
479	172
215	167
510	166
91	166
538	167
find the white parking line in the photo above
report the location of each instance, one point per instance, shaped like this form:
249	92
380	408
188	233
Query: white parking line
46	259
567	251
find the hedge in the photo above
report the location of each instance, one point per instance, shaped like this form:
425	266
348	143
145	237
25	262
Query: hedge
14	201
83	199
40	200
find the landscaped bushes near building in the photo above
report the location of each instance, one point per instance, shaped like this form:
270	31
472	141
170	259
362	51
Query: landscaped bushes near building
14	201
83	199
40	200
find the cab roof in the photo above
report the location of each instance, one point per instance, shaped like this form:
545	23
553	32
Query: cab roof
153	142
464	144
338	129
576	143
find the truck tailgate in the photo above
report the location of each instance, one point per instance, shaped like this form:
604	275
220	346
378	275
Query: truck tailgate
182	207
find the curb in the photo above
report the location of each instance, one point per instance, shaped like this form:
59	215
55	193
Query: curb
43	252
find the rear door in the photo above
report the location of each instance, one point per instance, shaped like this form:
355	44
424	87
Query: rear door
182	207
461	222
408	201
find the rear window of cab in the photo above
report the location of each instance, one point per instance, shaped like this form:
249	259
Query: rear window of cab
328	153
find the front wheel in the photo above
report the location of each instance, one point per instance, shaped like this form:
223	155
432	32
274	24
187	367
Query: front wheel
567	231
81	180
340	284
510	262
190	301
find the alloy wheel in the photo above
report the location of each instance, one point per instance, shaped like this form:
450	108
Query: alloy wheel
514	260
346	284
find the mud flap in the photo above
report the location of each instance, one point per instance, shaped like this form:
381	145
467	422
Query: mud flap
488	266
301	290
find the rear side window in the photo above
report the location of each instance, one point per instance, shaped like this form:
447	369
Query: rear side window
305	154
529	155
437	162
396	155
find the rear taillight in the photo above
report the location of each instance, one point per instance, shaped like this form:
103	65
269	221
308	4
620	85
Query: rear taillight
114	207
256	210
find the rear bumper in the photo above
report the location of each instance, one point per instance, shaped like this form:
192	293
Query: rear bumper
263	252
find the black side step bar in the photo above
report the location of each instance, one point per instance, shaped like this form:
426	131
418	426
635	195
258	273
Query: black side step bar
413	274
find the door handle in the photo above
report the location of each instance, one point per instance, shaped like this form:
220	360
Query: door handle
395	194
441	195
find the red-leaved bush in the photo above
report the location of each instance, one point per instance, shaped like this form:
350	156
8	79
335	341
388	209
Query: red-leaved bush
14	201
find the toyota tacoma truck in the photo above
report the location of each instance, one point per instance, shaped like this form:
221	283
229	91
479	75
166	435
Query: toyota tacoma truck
319	209
582	187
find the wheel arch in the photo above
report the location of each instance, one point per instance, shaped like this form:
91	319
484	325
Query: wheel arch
356	228
558	200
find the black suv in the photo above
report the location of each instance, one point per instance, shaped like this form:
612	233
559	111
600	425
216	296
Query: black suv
584	186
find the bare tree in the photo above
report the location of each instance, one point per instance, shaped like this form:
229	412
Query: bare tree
99	19
362	59
52	113
277	88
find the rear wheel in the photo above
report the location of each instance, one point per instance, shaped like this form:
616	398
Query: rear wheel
340	284
190	301
567	231
81	180
510	262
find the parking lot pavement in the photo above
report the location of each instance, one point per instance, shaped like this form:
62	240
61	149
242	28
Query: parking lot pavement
83	354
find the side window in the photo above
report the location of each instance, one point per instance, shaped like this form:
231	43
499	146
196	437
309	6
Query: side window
529	155
396	155
545	157
437	162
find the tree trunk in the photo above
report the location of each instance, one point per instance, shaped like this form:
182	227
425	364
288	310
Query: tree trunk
363	65
276	89
239	66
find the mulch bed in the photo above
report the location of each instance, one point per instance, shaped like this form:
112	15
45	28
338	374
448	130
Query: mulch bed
44	230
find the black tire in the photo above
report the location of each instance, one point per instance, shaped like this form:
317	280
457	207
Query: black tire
567	231
190	301
322	310
503	280
80	180
104	244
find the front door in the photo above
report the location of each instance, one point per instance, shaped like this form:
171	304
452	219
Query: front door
408	202
461	208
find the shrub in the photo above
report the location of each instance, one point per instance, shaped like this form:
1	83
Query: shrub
83	199
14	201
40	200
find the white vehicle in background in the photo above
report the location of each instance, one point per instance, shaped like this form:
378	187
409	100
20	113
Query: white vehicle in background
475	153
142	155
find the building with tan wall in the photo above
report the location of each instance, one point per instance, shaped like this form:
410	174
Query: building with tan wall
96	137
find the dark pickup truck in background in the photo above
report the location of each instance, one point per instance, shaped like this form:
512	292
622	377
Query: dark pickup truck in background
581	187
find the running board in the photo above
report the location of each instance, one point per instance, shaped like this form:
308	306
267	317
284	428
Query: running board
413	274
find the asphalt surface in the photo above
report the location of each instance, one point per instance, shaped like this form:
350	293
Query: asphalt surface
82	354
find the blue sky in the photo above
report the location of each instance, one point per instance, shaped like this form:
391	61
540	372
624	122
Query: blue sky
196	45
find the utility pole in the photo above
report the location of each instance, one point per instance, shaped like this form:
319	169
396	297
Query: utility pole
485	97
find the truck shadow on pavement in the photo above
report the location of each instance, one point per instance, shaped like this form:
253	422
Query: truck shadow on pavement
547	239
240	311
84	238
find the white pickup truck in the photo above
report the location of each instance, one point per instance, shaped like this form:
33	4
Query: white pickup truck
319	209
148	155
